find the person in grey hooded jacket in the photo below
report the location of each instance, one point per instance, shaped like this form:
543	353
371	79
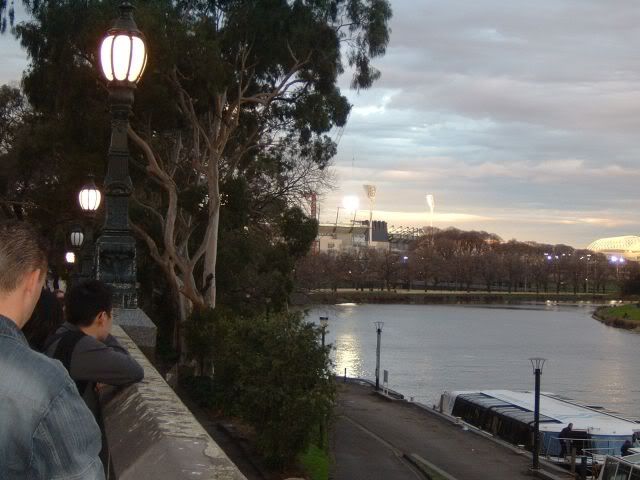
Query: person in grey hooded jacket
85	346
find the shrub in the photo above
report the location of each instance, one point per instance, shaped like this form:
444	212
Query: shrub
272	372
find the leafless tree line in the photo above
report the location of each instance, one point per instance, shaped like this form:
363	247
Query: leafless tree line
457	260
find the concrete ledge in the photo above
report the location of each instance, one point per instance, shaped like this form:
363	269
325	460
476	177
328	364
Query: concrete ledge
138	326
152	435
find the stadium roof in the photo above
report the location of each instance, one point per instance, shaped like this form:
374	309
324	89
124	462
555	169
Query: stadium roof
625	244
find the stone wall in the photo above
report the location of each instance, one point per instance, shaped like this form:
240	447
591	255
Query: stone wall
152	435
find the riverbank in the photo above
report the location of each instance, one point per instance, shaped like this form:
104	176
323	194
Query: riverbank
437	297
620	316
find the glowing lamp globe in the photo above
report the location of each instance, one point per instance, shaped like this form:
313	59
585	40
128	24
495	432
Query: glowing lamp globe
77	237
123	52
70	257
89	197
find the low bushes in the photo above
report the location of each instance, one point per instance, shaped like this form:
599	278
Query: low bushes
269	370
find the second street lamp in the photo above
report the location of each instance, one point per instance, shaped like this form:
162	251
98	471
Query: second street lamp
123	57
379	326
537	363
89	199
324	321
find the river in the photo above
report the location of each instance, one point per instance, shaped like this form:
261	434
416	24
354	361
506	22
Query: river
431	348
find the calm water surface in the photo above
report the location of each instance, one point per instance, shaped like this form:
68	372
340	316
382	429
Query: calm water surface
431	348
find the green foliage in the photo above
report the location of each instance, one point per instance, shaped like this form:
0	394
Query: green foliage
271	371
631	285
316	463
299	231
198	333
201	389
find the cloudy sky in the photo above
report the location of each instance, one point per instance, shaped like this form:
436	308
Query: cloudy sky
522	118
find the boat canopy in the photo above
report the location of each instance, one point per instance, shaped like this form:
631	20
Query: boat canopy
555	412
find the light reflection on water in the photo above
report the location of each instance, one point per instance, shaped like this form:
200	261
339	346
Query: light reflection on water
431	348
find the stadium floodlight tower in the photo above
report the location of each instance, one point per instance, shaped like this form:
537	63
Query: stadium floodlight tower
431	203
370	190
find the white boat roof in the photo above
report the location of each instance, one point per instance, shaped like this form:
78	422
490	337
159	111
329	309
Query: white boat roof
564	411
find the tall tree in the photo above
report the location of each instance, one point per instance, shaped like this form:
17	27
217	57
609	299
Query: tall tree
233	89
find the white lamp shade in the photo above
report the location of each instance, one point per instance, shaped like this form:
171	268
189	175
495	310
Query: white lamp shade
89	199
70	257
123	57
77	238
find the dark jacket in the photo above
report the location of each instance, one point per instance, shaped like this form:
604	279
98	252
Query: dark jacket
93	361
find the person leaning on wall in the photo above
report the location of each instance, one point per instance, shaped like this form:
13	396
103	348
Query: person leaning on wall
46	431
85	346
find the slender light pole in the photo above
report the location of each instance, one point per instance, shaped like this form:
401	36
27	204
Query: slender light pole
123	56
370	190
379	326
431	203
537	363
324	321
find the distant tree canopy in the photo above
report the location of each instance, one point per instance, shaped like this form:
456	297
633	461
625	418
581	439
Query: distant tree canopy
229	131
453	259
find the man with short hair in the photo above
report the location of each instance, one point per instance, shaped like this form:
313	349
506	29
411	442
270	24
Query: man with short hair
46	430
85	346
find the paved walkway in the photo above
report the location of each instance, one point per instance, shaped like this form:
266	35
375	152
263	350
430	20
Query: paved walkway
370	436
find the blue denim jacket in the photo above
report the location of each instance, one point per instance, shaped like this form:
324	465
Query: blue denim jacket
46	430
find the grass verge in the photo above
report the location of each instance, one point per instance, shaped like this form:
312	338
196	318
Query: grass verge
315	462
622	316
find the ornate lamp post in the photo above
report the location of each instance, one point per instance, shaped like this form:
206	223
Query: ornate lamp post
537	363
379	326
123	56
89	199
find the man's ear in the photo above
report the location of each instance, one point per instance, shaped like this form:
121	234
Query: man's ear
101	319
33	282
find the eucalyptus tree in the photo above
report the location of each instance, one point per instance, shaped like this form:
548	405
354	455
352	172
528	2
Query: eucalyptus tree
234	91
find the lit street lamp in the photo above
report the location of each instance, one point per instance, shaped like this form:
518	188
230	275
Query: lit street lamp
123	56
76	237
70	258
89	199
379	326
537	363
324	321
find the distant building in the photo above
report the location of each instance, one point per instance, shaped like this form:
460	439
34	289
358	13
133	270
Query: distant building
627	247
336	237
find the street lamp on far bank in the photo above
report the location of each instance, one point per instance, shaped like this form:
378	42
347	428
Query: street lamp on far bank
324	322
379	326
123	57
537	363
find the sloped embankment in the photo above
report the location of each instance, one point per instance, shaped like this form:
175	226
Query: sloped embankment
622	316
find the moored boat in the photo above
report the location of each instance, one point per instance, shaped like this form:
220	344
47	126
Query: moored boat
509	415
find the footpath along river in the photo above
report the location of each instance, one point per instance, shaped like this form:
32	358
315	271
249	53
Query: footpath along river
431	348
